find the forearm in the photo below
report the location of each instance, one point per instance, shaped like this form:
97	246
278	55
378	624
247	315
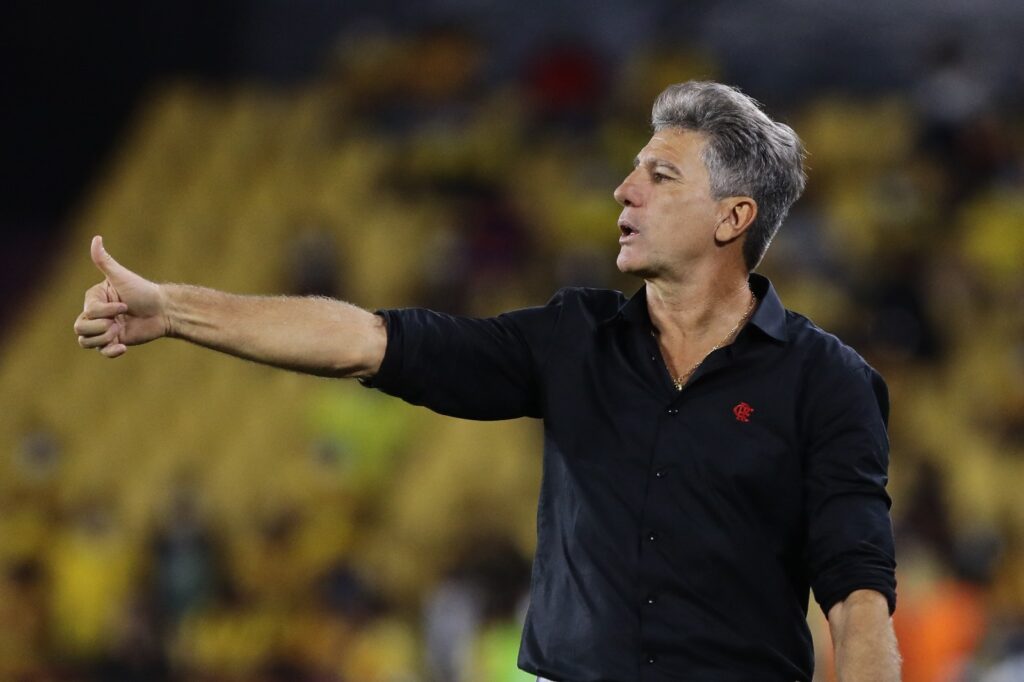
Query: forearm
313	335
864	641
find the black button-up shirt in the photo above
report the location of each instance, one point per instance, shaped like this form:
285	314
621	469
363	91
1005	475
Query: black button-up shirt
678	532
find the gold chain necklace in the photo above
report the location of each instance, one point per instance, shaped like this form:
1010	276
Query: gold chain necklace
681	380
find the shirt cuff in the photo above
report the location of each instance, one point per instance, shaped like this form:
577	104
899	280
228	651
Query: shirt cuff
387	378
836	584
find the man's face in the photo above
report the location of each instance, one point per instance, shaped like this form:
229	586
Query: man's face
668	217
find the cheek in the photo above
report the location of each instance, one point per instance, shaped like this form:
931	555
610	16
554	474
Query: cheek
691	219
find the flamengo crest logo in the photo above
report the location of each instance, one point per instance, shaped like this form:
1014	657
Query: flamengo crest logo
743	412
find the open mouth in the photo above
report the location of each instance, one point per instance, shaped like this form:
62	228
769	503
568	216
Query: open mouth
627	229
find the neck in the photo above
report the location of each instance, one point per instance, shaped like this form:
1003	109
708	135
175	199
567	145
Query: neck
699	307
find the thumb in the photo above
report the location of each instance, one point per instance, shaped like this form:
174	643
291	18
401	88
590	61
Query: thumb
103	260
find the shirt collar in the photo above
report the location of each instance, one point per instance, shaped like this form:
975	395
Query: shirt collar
770	316
634	310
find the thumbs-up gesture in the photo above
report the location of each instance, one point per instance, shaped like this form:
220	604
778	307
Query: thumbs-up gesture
123	310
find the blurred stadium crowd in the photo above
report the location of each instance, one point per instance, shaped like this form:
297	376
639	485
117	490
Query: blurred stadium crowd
181	516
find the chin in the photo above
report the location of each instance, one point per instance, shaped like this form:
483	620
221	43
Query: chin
628	266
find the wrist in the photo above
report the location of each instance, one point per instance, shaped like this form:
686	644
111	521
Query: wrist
166	305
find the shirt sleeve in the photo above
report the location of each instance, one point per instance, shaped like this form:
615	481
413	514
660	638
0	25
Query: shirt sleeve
474	368
849	532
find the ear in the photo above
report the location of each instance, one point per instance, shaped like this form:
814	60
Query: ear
738	214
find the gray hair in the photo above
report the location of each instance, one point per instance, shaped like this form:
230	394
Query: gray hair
746	154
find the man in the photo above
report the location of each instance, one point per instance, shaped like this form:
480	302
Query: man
709	455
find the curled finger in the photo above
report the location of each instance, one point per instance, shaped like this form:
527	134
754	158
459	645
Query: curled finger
96	310
113	350
99	340
85	326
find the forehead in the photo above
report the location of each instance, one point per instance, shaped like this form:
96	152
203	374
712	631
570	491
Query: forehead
677	146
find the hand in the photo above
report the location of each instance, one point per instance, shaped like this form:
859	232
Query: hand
123	310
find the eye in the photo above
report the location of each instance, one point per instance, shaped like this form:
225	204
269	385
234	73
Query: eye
658	177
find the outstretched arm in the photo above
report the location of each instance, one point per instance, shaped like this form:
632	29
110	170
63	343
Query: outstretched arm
863	639
312	335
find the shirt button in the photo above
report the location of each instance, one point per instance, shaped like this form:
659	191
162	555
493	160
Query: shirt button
651	536
650	658
673	411
660	473
651	599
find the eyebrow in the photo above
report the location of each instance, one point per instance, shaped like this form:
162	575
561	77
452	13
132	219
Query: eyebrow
654	163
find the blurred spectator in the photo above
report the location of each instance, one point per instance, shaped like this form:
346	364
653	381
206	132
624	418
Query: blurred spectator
923	517
901	328
473	617
452	615
93	567
39	454
565	81
187	572
314	267
961	130
23	619
138	651
951	93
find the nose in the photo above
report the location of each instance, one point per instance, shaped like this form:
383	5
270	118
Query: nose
626	193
